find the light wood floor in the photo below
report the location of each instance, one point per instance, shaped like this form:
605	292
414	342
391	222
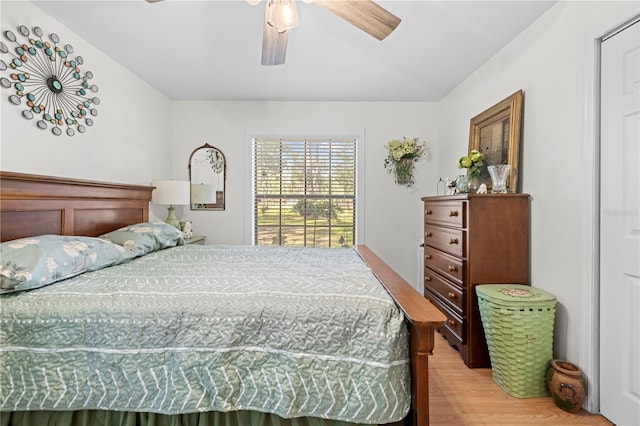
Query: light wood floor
462	396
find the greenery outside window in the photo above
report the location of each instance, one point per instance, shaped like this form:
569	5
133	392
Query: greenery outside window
304	192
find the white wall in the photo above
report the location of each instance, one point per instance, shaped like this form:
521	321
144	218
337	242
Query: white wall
130	139
393	214
548	61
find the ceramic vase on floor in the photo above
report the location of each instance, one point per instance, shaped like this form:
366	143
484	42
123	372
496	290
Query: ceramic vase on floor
566	385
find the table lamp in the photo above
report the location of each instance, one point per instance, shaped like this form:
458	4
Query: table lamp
172	193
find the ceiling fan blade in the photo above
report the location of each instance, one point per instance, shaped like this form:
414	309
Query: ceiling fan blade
274	45
364	14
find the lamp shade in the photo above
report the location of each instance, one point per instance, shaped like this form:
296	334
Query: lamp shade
203	193
171	192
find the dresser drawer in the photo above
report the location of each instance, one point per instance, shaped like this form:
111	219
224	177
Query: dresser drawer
448	240
447	213
449	266
454	322
449	292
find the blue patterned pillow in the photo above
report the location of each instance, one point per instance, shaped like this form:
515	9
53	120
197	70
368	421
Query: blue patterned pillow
146	237
34	262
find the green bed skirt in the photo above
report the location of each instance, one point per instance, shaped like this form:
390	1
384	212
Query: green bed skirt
119	418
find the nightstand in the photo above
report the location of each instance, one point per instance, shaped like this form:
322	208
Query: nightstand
196	239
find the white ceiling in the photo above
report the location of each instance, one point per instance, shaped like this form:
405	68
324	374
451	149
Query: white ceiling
211	49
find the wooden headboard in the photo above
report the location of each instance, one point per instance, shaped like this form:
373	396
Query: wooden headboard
35	205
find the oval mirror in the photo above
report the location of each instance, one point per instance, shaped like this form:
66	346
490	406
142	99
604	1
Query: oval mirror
207	174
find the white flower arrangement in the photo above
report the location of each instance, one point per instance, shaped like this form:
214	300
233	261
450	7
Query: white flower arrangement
401	156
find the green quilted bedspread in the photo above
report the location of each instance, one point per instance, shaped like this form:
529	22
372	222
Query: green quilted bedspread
290	331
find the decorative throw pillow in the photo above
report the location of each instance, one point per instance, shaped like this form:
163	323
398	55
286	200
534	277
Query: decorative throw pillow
34	262
146	237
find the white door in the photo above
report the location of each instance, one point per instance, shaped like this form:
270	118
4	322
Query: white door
620	228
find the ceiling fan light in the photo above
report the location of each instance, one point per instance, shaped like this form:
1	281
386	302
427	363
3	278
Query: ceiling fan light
282	14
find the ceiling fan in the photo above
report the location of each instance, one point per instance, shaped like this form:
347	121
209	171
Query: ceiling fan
281	15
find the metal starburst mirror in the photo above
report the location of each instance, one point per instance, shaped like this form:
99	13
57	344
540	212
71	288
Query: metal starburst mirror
47	82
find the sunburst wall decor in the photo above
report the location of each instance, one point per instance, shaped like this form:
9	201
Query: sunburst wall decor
47	82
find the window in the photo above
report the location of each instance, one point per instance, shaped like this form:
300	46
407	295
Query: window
304	192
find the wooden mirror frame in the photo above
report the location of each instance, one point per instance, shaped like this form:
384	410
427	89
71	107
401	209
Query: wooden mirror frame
220	195
503	117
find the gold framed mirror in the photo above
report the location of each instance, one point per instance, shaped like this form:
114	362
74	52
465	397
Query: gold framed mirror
207	175
496	134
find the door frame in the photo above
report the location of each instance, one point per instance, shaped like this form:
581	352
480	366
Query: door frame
590	317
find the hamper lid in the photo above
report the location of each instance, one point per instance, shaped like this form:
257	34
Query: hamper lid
513	293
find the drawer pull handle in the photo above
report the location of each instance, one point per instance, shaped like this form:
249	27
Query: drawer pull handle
428	234
452	268
429	212
453	241
427	278
453	213
451	295
451	322
427	256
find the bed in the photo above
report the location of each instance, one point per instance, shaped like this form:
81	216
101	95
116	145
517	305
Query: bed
179	385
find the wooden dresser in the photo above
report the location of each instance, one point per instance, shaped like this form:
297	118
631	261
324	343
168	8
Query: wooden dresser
472	239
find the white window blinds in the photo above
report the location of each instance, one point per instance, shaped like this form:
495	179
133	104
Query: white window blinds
304	192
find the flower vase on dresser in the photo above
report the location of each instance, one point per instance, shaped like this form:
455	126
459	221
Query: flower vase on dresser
468	184
499	174
473	182
472	163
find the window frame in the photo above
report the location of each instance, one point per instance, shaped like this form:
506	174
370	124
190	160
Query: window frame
250	135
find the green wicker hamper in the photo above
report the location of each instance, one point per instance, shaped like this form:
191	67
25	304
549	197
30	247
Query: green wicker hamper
518	326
